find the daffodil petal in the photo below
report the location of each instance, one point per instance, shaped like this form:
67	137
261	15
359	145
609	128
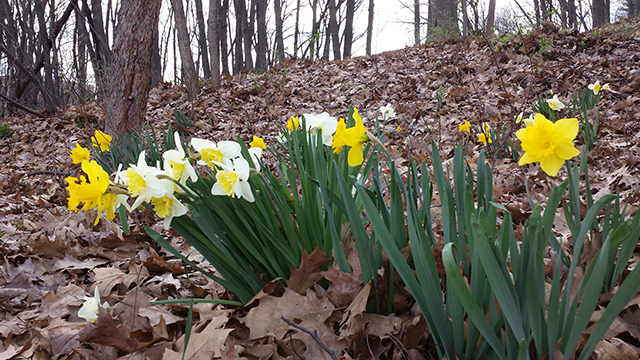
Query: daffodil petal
355	157
566	150
527	159
551	164
567	128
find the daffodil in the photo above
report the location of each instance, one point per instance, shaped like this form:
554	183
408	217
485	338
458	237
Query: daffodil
233	181
101	140
256	155
595	87
293	123
79	154
605	87
548	143
213	154
555	104
529	121
355	137
142	182
322	123
257	142
387	111
177	164
338	141
91	306
167	206
91	190
465	126
484	138
519	118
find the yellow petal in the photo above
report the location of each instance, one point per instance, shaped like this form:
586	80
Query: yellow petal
355	156
527	159
566	150
551	164
567	128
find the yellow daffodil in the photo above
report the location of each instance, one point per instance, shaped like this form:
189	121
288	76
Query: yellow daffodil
355	137
465	126
548	143
293	123
484	138
212	154
167	207
387	111
177	164
555	104
338	141
91	190
101	140
91	307
233	181
257	142
79	154
485	127
142	182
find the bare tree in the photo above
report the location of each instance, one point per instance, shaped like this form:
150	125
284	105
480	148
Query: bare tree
370	28
348	27
202	40
333	30
598	11
277	9
261	46
223	12
491	16
213	44
443	20
132	53
189	74
416	22
238	56
296	32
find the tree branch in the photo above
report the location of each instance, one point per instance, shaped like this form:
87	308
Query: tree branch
314	335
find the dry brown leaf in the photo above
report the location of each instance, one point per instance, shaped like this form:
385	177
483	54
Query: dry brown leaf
104	331
615	349
203	345
303	278
107	278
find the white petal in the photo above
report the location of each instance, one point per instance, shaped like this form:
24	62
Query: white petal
230	149
200	144
243	189
216	189
241	168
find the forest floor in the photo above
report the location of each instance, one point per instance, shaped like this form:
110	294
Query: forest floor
52	257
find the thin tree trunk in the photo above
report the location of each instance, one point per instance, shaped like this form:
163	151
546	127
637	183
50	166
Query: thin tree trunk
491	13
598	12
202	40
133	49
247	34
238	63
296	32
314	29
277	8
370	28
416	22
261	46
223	11
189	74
333	30
213	44
348	28
156	61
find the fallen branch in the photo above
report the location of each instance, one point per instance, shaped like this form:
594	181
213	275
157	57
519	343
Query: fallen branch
22	107
313	334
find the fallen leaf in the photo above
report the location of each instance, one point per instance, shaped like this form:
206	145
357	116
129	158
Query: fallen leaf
303	278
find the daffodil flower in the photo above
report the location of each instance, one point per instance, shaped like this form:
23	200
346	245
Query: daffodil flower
555	104
79	154
322	123
465	126
167	206
256	155
387	111
529	121
233	181
485	127
548	143
177	164
355	137
142	182
293	123
605	87
213	154
101	140
91	306
257	142
519	118
595	87
91	190
484	138
338	141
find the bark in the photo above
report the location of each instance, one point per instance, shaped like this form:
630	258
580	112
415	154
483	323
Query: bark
416	22
348	27
213	44
156	61
261	46
132	52
443	23
491	16
202	40
247	34
238	58
333	30
189	74
296	32
223	11
314	28
598	12
277	8
370	28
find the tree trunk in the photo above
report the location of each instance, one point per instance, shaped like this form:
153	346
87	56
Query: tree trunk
348	28
443	23
598	12
277	8
132	52
247	34
261	46
416	22
314	28
370	28
238	59
223	11
491	15
156	60
333	30
189	74
202	40
296	32
213	44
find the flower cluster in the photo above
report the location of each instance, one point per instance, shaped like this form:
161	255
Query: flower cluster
161	188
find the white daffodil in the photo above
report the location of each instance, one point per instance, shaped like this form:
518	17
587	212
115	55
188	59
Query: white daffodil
142	182
519	118
167	206
232	181
213	154
322	122
595	87
256	155
606	87
91	307
388	111
177	164
555	104
529	121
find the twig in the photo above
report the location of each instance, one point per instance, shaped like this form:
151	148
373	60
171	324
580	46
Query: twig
313	334
22	107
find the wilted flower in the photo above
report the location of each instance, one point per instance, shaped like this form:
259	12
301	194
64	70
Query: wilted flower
355	137
177	164
596	87
465	126
79	154
324	123
548	143
91	306
102	140
555	104
91	190
338	141
213	154
233	181
388	111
